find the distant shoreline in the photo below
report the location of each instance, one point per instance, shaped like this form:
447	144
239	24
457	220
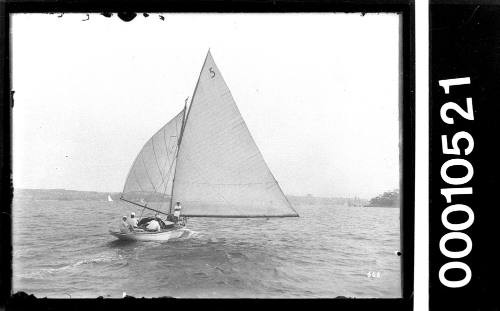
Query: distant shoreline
71	195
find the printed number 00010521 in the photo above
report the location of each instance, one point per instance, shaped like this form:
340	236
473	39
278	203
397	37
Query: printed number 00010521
455	150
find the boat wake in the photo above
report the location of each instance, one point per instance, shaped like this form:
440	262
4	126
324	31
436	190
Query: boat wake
188	234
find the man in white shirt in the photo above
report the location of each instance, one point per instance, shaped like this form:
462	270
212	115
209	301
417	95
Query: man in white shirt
125	227
177	212
132	220
153	225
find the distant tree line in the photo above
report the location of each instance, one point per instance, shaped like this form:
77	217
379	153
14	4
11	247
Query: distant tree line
62	195
69	195
388	198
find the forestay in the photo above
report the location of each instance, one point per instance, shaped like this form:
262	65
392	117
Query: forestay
220	172
149	181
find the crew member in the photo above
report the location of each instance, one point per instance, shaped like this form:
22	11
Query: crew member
153	225
132	220
125	227
177	212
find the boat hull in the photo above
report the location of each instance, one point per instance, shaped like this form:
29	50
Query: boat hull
151	236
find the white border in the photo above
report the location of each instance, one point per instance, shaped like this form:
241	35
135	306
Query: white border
421	266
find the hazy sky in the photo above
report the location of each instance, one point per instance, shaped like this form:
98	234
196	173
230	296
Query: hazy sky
319	93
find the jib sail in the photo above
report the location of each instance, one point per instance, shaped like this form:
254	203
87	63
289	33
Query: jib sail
149	181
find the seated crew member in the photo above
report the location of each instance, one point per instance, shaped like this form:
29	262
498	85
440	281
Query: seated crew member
153	225
132	220
177	212
125	227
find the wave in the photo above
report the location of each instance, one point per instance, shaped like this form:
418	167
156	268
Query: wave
98	259
43	273
23	253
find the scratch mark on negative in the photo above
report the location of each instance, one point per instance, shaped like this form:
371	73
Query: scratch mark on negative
471	16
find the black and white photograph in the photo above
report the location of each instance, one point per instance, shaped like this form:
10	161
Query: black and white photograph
207	155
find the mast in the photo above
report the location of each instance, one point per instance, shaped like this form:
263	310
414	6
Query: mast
176	153
184	121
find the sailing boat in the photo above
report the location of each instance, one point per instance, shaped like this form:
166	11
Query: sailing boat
206	159
109	198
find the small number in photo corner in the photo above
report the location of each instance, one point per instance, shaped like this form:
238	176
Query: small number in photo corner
372	274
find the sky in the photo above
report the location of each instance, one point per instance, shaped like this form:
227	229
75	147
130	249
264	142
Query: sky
319	93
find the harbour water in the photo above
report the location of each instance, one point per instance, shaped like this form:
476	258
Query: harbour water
62	249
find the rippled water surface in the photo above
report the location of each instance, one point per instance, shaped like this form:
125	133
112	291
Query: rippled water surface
63	249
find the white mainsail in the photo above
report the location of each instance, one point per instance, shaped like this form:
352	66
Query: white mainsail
220	172
149	181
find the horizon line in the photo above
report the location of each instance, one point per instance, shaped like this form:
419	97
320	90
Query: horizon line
116	192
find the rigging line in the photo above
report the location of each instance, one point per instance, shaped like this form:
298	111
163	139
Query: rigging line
172	152
176	145
137	182
147	173
133	170
176	118
168	177
176	136
142	212
169	150
164	182
166	146
156	158
164	192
